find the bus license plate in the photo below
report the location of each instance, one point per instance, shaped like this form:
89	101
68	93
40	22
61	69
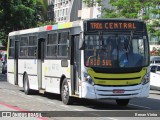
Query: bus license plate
118	91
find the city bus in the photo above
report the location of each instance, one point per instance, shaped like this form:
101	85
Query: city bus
82	59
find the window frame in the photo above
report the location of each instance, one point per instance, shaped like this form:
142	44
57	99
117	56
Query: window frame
57	45
28	46
11	47
47	45
61	44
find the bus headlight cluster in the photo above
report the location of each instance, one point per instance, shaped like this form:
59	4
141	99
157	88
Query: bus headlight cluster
145	79
88	78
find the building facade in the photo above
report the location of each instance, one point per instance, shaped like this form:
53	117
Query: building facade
65	10
94	11
72	10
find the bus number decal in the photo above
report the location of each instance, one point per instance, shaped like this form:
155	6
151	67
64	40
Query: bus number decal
99	62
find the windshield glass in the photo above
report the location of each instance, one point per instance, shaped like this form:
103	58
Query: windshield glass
115	50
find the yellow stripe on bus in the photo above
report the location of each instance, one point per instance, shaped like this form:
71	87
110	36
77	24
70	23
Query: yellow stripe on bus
108	79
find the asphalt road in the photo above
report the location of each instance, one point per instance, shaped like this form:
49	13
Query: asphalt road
14	95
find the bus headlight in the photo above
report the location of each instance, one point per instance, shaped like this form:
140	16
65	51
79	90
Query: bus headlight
88	78
145	79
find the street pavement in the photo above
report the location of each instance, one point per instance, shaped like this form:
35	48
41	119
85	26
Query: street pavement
10	112
13	99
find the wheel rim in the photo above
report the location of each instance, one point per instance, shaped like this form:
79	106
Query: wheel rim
65	92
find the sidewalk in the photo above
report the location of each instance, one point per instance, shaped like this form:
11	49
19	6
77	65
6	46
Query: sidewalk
9	112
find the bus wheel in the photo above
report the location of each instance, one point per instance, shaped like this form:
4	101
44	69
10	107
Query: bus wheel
122	102
66	99
26	85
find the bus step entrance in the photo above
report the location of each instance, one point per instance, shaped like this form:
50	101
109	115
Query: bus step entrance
41	91
76	93
76	96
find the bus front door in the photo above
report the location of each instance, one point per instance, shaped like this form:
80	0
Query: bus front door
75	60
16	62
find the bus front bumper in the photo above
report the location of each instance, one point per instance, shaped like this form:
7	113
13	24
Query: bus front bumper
106	92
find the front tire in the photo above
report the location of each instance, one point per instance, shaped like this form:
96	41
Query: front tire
27	91
66	99
122	102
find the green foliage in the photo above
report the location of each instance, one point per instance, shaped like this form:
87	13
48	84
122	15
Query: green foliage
132	8
42	9
16	15
21	14
110	13
123	9
3	38
40	23
24	17
91	3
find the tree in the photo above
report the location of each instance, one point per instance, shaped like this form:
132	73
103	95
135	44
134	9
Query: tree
124	9
91	3
41	13
16	15
42	9
143	9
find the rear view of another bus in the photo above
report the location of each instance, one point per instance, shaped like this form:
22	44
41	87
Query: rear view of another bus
116	60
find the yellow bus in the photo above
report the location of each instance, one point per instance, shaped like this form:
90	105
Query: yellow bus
93	59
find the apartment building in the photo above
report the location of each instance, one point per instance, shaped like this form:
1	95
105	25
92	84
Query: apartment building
94	11
71	10
65	10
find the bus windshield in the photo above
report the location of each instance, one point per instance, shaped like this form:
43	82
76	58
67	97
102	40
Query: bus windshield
114	50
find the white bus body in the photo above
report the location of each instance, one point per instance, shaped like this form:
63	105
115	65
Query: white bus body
49	59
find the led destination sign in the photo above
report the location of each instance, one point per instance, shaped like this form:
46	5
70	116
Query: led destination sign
114	25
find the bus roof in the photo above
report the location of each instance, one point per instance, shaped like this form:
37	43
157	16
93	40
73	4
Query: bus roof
46	28
65	25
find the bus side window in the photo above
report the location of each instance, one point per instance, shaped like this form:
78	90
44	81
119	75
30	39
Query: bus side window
24	46
52	42
32	47
35	52
11	48
63	44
